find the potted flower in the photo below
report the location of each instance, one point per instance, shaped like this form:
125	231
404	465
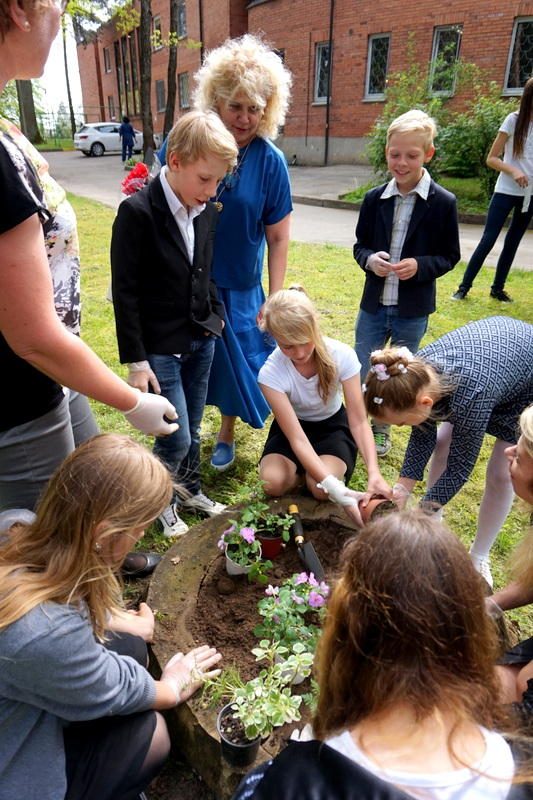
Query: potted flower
377	506
272	530
241	548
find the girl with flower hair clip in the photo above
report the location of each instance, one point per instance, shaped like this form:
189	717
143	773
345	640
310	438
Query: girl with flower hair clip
474	380
314	436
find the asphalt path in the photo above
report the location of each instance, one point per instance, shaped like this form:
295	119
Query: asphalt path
99	179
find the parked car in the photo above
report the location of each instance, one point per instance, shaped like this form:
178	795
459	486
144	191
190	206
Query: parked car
97	138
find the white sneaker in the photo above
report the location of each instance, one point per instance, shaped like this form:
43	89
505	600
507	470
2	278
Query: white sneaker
200	502
171	522
482	565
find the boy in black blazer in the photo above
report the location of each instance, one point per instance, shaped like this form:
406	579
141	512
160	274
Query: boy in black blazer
167	312
407	235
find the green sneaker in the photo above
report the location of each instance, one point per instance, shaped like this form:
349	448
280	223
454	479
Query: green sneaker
382	439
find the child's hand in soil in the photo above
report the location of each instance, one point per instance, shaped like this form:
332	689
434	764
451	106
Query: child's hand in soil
186	673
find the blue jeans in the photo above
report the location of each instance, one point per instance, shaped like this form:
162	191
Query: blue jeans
183	382
127	149
499	209
373	331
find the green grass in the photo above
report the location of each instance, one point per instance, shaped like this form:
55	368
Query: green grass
56	144
334	281
469	193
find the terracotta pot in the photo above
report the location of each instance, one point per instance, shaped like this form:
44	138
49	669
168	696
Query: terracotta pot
377	507
271	544
232	568
238	754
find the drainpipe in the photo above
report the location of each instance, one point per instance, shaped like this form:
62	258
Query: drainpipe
201	31
330	77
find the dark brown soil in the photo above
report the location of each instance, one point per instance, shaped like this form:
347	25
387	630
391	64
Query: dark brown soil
226	611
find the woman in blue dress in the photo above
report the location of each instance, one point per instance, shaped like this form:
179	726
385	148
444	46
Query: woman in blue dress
246	83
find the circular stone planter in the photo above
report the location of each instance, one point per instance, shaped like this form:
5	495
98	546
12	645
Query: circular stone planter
173	595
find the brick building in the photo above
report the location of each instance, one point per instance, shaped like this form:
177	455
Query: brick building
340	53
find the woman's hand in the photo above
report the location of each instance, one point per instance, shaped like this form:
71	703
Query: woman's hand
187	673
141	376
520	178
138	623
378	485
148	415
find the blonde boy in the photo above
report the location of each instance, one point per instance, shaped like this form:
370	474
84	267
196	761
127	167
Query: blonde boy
406	236
167	312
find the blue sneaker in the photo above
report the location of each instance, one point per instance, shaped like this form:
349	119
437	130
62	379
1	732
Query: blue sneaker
223	456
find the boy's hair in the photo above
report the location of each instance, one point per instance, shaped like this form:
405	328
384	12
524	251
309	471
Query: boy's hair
198	134
395	379
250	66
406	624
109	481
289	315
414	121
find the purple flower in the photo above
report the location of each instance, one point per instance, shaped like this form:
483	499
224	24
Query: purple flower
248	534
271	591
297	599
324	589
221	544
229	530
312	580
316	600
301	578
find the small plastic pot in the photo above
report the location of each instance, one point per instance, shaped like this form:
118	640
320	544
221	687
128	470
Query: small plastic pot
238	754
232	568
271	544
378	505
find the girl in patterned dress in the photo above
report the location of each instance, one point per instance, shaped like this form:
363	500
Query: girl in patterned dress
474	380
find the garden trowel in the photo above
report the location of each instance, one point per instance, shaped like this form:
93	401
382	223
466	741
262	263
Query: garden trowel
306	551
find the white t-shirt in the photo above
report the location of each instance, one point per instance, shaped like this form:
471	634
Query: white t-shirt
278	372
505	184
496	768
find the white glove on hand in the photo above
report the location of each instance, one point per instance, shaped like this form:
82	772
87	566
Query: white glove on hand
492	608
338	492
147	415
378	263
400	495
141	375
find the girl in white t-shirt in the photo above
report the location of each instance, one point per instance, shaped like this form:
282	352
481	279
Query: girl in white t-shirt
313	433
511	155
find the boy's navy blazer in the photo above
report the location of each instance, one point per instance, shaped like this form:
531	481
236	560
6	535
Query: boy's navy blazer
161	300
432	238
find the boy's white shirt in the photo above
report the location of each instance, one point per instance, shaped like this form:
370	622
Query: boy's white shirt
184	220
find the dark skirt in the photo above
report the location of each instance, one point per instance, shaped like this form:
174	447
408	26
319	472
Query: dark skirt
519	655
329	437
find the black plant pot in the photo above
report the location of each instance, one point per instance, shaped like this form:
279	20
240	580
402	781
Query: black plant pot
238	754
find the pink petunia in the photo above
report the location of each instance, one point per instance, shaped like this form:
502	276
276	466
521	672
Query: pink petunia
271	591
248	534
315	600
312	580
297	599
301	578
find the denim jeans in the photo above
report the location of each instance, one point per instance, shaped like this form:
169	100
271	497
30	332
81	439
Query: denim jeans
183	381
127	149
373	331
499	209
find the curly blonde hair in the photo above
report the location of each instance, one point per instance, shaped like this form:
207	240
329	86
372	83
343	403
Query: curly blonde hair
246	65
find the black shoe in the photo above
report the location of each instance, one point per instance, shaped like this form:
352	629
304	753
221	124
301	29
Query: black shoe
499	294
460	294
139	565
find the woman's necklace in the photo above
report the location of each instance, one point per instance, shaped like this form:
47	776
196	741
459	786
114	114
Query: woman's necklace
231	179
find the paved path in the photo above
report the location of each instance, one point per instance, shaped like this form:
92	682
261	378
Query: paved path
99	179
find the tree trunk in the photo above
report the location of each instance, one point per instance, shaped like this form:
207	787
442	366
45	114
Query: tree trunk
28	117
67	77
145	58
172	66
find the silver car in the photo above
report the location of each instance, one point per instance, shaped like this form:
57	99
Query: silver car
97	138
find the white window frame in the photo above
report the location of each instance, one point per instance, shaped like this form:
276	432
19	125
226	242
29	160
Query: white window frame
435	54
371	39
515	91
319	49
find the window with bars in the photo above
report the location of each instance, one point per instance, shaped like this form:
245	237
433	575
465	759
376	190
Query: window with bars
377	65
107	60
160	99
183	89
182	19
322	64
520	63
444	56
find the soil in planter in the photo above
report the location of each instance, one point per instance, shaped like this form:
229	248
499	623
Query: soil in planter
226	610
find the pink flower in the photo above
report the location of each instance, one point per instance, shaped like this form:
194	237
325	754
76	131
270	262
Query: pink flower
301	578
297	599
324	589
248	534
229	530
221	544
316	600
271	591
312	580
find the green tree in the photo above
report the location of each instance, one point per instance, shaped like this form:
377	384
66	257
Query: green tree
9	106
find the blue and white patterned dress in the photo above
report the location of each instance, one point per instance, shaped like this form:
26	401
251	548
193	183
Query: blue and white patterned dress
490	363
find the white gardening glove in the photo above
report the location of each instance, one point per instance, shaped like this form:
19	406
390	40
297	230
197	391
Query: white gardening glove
186	673
400	495
378	263
148	412
492	608
338	492
141	375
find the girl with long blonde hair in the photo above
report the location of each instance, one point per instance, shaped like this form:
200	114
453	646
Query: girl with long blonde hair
76	698
313	434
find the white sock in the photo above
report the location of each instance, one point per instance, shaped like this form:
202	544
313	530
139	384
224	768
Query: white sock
496	502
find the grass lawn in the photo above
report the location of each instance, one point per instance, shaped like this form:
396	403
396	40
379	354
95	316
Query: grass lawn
334	281
470	196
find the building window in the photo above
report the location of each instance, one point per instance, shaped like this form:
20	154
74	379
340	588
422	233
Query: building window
321	72
182	19
376	66
157	36
183	89
111	107
520	64
160	95
446	44
107	60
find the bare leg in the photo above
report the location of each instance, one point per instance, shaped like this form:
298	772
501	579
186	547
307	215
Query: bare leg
227	429
334	466
508	677
439	459
278	474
